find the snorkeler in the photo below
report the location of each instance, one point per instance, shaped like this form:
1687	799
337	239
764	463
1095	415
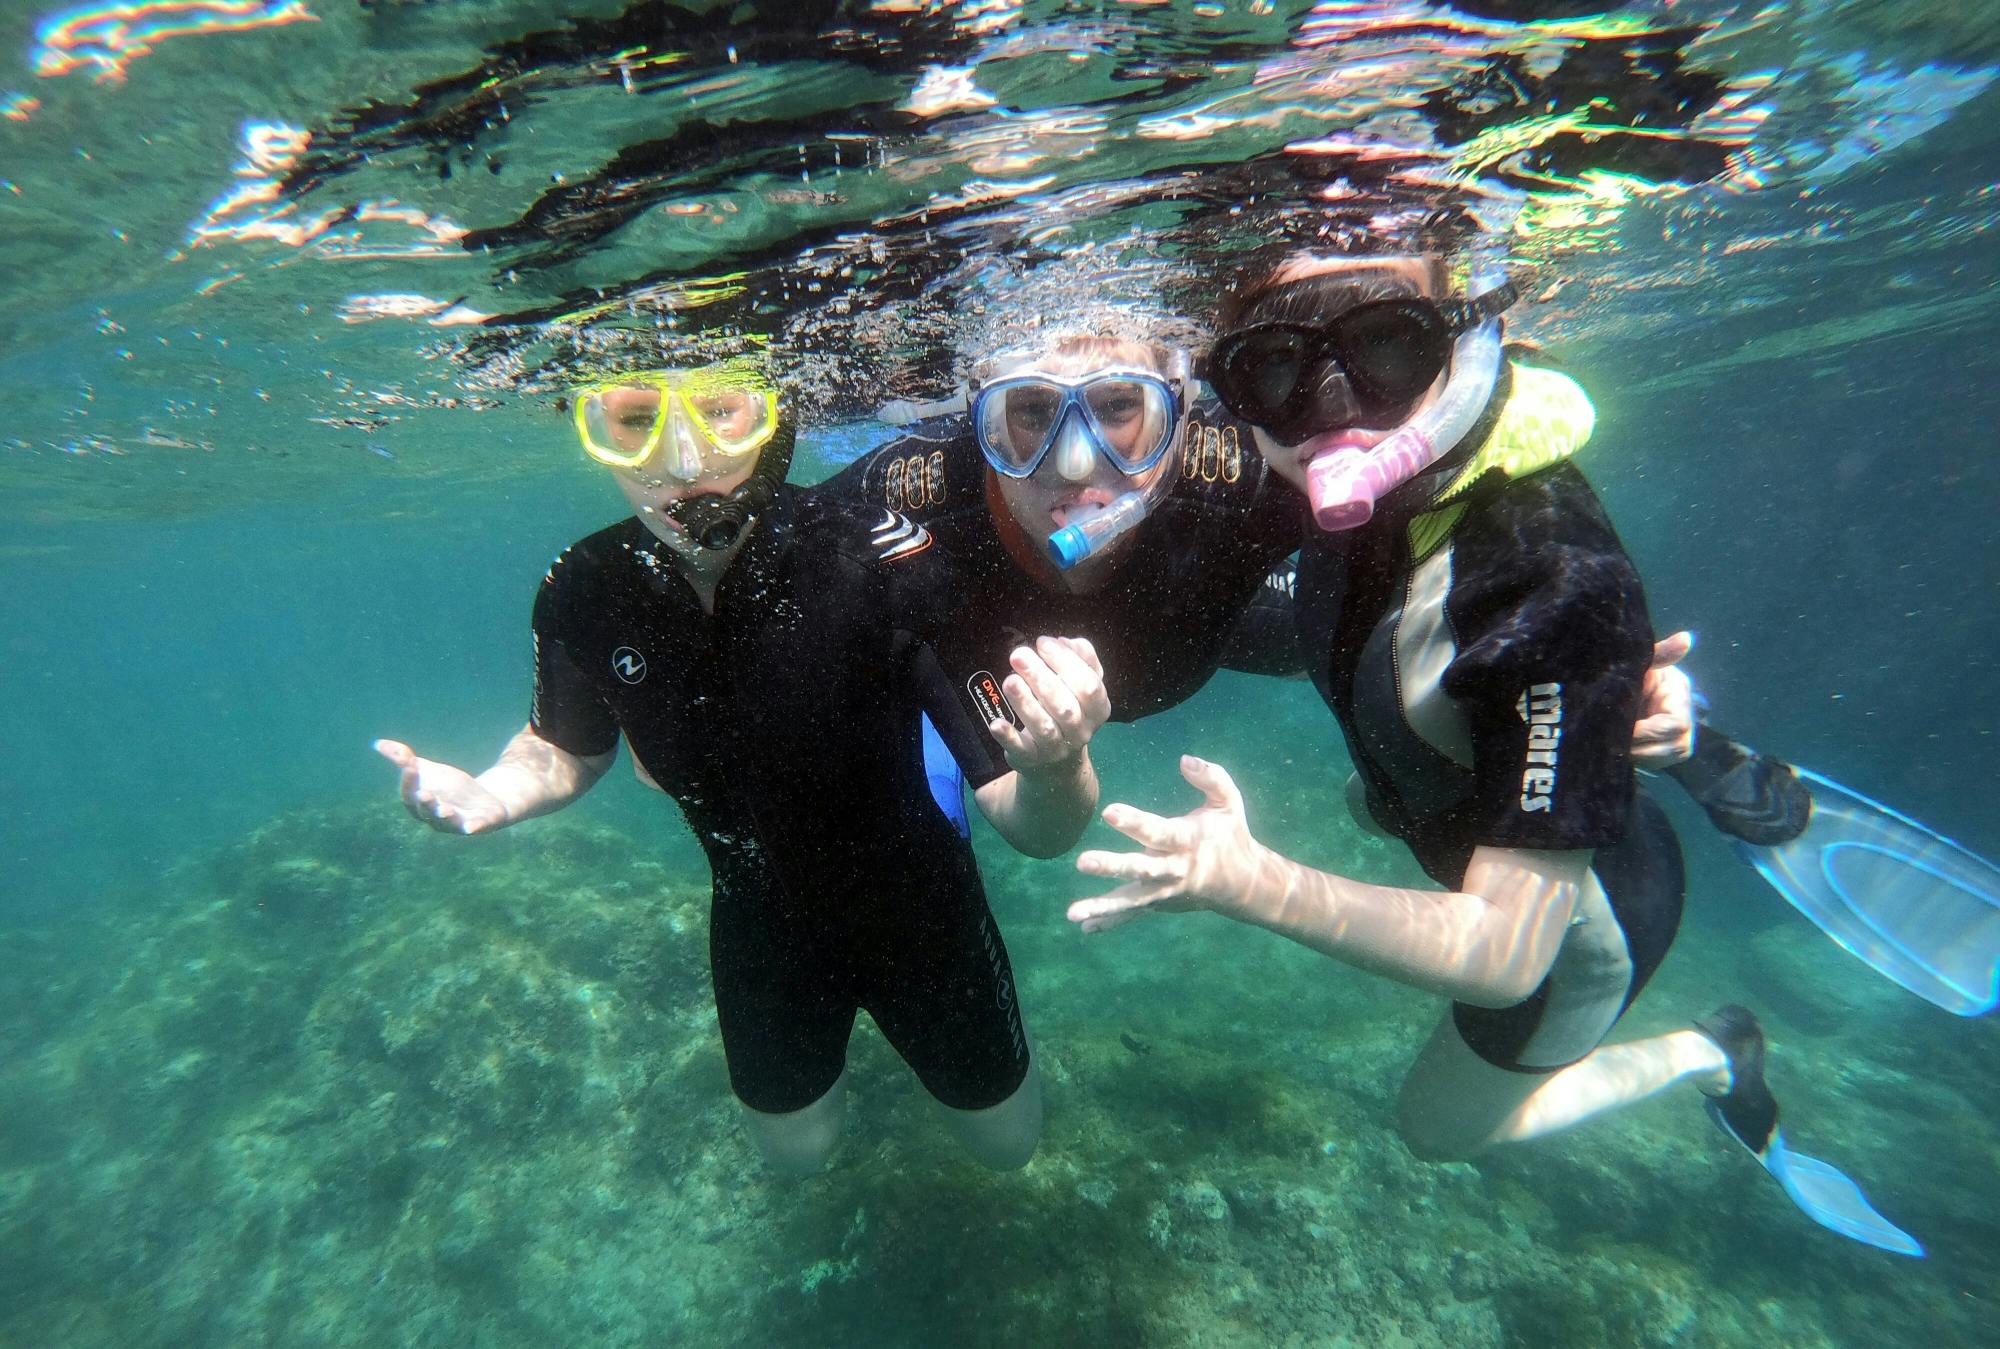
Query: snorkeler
1075	489
1087	421
1470	617
744	639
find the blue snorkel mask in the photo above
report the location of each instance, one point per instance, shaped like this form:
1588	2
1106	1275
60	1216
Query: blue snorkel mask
1128	416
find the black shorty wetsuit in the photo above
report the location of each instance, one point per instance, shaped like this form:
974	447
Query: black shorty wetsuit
1165	619
787	727
1487	691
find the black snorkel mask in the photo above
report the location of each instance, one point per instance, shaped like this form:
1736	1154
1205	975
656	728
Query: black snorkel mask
1326	353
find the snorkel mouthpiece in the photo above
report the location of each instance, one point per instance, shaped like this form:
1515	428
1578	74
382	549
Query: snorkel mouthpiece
1343	483
1075	542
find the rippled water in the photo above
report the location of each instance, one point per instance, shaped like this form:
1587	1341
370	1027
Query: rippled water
304	232
289	291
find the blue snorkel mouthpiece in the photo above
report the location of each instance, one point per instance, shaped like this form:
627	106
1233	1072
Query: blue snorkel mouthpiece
1074	542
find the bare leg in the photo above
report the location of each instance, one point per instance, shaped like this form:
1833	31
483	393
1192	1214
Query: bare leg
1002	1137
1455	1104
796	1144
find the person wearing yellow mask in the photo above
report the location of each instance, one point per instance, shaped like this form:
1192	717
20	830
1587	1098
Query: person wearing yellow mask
747	642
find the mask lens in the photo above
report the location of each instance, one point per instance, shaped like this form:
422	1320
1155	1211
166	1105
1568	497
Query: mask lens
1260	373
1015	419
620	425
735	421
1393	351
1133	419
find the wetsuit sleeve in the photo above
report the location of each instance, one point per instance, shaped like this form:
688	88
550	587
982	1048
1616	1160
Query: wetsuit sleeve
1265	639
567	712
979	756
1553	642
892	582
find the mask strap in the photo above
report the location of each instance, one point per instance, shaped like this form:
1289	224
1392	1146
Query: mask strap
1466	315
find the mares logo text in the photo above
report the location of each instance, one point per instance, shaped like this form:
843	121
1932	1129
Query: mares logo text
1212	453
1542	708
915	481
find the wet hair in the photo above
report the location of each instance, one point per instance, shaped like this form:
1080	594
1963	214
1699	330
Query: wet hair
1112	291
1091	349
1263	272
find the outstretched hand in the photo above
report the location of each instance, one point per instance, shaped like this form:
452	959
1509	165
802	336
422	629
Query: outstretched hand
449	800
1206	859
1057	689
1664	733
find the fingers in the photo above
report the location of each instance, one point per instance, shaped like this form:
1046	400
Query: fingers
1074	661
1037	726
1659	729
1054	697
1145	828
1085	652
1112	920
423	799
1664	734
418	798
1662	740
1009	739
1127	901
1213	782
1672	650
1057	690
1149	868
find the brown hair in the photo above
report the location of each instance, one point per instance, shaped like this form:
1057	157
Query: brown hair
1264	269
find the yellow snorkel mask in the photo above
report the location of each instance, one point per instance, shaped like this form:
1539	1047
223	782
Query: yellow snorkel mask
696	428
686	419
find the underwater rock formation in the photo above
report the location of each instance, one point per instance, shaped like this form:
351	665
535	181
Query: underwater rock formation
349	1083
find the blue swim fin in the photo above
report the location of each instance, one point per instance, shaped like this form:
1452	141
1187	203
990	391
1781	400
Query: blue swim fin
1749	1114
1830	1199
1910	902
1918	907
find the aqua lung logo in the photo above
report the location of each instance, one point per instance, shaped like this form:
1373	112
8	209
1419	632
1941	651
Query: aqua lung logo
1542	708
1212	453
1003	988
628	665
898	537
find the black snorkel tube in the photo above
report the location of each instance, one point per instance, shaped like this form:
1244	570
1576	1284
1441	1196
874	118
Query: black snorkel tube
716	520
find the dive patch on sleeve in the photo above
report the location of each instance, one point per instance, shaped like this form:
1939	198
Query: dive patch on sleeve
990	702
898	537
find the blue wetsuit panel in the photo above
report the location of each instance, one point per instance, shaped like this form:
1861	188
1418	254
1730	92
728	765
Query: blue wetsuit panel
947	783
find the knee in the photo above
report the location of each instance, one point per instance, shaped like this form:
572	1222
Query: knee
1003	1137
797	1145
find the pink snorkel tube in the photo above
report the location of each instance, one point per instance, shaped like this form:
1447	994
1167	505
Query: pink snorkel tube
1343	484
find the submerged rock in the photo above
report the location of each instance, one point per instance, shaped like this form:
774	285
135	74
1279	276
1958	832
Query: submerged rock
348	1083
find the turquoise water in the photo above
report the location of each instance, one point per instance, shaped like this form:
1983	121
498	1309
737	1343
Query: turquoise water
279	1068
